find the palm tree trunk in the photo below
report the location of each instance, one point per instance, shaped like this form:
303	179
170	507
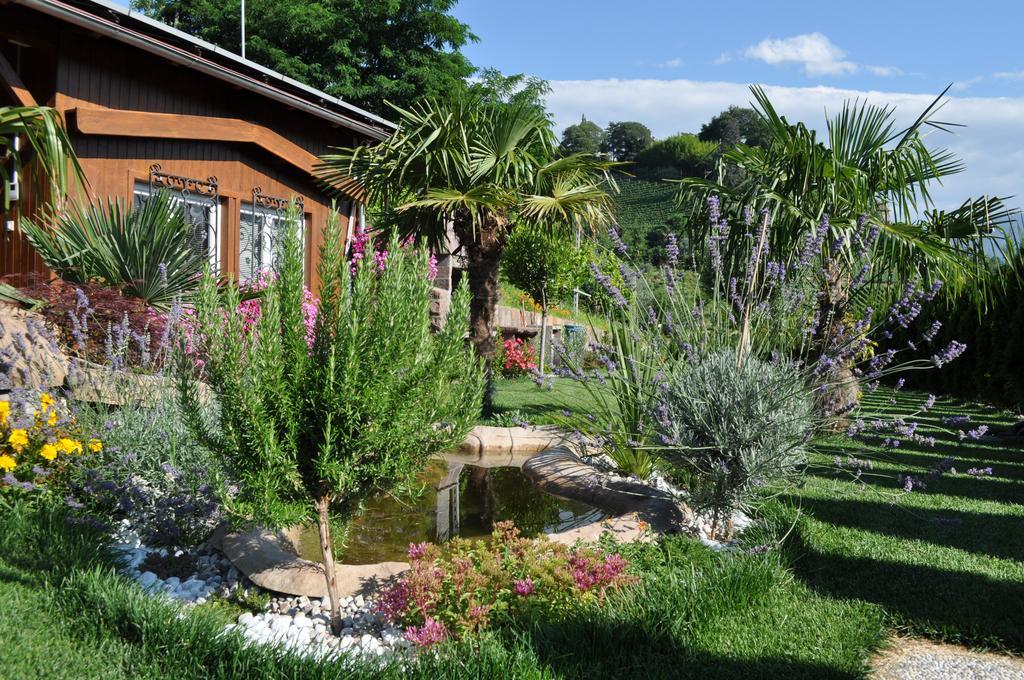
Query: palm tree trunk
324	528
843	389
483	245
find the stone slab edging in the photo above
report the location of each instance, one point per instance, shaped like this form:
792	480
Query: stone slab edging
560	472
268	558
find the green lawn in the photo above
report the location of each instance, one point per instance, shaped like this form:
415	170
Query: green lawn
945	562
540	405
860	559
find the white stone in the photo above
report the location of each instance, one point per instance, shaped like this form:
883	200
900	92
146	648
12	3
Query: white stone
147	579
246	618
280	625
302	621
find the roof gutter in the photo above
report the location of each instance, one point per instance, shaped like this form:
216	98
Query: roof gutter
84	19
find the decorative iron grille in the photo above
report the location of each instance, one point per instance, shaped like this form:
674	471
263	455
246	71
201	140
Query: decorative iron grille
262	231
200	202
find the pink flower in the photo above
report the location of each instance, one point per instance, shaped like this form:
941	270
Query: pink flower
393	601
524	587
430	633
417	551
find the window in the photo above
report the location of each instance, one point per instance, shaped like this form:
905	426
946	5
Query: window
202	212
262	229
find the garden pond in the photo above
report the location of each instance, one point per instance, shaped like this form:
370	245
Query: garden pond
456	500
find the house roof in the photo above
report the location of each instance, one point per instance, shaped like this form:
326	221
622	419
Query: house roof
134	28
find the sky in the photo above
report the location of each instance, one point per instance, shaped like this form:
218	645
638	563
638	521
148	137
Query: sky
673	65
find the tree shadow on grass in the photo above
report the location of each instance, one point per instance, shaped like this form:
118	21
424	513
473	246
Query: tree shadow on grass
951	605
961	485
981	533
600	648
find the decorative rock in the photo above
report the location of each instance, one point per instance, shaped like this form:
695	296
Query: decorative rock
147	579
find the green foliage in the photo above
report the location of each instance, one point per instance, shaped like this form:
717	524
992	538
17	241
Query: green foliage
545	263
364	51
868	167
354	414
585	136
733	427
735	125
994	336
624	140
646	211
41	128
467	586
148	249
682	155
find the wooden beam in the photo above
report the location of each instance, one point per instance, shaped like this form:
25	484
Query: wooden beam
121	123
12	83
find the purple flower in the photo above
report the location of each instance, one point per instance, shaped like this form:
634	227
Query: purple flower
932	331
929	402
417	551
617	242
951	352
980	472
430	633
672	249
524	587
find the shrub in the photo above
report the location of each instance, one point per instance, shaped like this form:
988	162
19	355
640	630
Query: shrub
149	249
86	315
518	358
313	431
465	586
39	440
733	427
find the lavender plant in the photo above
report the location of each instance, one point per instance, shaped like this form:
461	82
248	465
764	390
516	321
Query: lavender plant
716	381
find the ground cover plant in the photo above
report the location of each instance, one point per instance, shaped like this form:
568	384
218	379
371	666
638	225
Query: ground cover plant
312	429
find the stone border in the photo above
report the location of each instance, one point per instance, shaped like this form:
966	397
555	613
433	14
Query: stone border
560	472
269	560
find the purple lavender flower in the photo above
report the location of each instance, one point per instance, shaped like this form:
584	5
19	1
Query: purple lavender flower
606	282
932	331
980	472
617	242
951	352
672	249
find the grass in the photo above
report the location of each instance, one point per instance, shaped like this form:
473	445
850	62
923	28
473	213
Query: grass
860	559
691	614
946	562
539	405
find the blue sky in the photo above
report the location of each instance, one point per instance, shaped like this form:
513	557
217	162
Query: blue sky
672	65
896	45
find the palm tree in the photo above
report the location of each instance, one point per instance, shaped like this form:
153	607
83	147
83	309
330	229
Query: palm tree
868	168
480	167
39	129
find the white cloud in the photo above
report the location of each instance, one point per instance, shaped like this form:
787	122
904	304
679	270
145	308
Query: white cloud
1010	75
884	71
964	85
818	55
675	62
992	144
814	51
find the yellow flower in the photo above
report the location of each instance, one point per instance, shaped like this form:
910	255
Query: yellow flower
95	445
7	463
69	445
52	420
18	439
49	451
5	411
46	401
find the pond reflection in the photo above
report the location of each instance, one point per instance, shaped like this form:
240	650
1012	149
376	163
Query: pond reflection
458	500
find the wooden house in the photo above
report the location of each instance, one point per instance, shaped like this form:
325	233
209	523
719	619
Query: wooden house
148	107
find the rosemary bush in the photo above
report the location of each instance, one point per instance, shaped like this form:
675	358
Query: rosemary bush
314	429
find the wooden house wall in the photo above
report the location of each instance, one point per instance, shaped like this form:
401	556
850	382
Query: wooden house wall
99	73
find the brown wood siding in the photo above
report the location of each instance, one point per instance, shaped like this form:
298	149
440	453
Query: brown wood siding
89	71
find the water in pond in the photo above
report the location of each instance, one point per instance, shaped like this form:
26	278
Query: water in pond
459	500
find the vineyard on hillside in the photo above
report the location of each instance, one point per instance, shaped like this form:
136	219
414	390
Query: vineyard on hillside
643	210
